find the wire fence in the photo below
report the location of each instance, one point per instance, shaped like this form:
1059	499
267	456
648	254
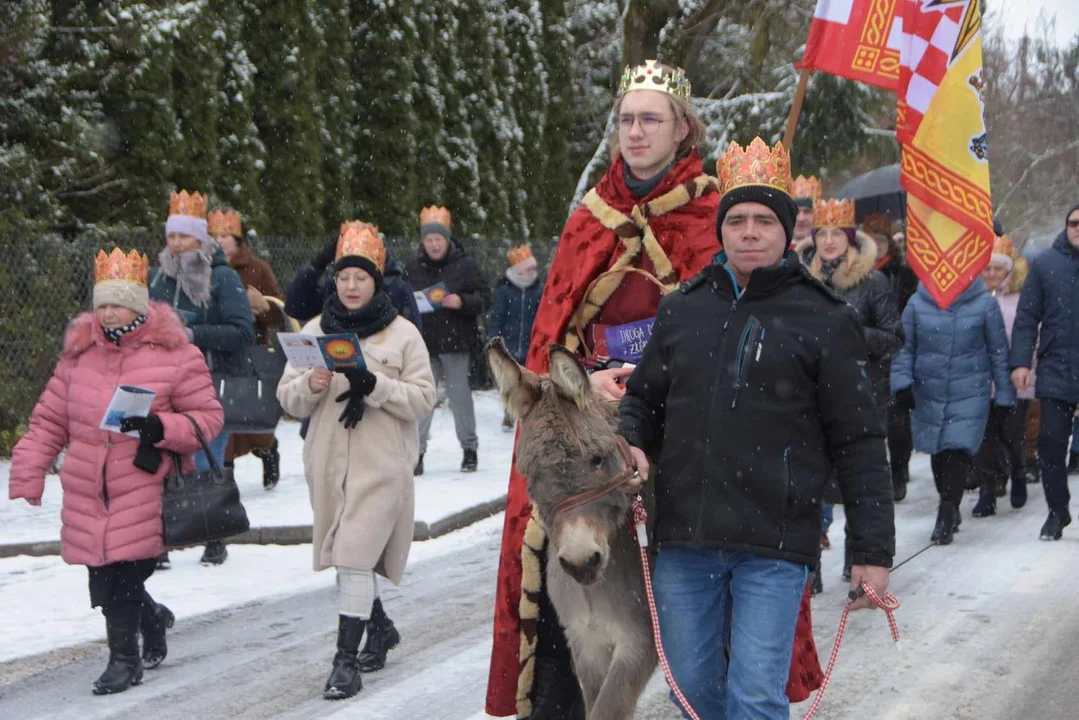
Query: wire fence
46	280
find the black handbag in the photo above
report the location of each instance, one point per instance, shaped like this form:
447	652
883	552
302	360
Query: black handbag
250	399
201	505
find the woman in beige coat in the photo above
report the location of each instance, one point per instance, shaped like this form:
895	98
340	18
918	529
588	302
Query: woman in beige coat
361	447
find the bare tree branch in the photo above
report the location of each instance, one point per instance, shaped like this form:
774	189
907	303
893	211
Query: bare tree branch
1044	157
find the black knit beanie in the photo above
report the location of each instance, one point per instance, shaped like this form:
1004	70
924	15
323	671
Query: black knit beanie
358	261
780	203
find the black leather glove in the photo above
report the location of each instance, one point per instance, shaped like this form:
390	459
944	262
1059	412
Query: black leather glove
904	399
354	408
151	432
361	381
325	255
149	428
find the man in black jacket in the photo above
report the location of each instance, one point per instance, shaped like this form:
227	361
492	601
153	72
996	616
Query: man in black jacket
751	391
450	329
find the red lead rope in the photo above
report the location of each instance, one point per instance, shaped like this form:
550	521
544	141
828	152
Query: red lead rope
889	604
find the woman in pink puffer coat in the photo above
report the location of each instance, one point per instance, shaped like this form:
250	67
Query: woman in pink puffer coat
112	483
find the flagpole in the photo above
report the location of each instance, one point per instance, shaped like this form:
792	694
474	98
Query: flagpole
796	108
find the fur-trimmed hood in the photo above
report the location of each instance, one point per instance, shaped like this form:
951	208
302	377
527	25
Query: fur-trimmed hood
857	263
162	327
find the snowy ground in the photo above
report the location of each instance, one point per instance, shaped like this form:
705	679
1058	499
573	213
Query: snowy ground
441	491
988	629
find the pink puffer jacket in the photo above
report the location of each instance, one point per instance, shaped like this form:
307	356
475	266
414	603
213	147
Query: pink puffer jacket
111	509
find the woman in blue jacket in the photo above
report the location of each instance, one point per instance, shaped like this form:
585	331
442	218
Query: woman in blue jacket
516	300
945	374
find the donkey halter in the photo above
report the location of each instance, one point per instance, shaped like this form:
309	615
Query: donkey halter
628	473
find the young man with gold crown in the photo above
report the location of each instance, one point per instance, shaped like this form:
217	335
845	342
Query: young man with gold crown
752	392
806	191
647	226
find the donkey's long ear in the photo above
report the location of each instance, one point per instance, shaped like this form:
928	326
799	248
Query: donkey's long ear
569	376
516	393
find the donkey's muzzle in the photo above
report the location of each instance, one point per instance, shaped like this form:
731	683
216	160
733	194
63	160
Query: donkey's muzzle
585	574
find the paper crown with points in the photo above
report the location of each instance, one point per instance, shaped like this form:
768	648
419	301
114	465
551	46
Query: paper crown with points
653	75
519	254
806	187
118	267
184	203
756	164
833	213
1003	245
436	214
225	221
360	239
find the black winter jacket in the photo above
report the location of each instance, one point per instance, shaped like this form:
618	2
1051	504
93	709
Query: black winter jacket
901	279
446	330
750	401
871	295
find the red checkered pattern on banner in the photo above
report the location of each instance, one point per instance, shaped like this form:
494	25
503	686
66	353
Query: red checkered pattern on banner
929	38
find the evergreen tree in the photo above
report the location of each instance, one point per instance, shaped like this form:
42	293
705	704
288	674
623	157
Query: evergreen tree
556	185
429	90
282	42
384	46
337	111
241	153
196	73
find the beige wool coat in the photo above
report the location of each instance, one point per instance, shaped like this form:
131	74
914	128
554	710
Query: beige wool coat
360	480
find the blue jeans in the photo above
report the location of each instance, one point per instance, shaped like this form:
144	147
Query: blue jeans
1075	435
217	447
706	597
827	516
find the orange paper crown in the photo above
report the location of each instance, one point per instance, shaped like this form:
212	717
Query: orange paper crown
654	76
519	254
360	239
190	204
435	214
1004	246
833	213
118	267
754	165
806	187
225	221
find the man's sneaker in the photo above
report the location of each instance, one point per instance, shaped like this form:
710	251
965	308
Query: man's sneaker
470	462
1053	529
215	553
418	470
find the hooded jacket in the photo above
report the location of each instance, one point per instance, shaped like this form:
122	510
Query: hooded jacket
112	509
512	314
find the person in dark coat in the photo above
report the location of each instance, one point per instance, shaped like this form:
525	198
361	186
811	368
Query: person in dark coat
1050	299
843	259
751	392
450	329
513	310
945	374
892	263
195	279
308	292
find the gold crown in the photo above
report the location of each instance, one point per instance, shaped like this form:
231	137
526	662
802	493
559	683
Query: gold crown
228	222
435	214
833	213
655	76
754	165
360	239
1003	245
519	254
118	267
806	187
184	203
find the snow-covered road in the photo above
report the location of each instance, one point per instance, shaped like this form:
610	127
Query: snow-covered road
989	628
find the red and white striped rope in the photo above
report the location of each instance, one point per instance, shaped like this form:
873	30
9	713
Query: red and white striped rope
889	604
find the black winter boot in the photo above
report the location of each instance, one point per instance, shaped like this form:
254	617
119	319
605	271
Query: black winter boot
1019	489
987	504
345	680
1073	463
215	553
163	562
818	583
418	470
470	462
900	478
1053	529
155	620
848	562
125	666
382	636
946	523
556	695
271	465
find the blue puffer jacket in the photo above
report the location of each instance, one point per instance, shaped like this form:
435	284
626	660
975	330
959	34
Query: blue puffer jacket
1051	297
512	314
951	360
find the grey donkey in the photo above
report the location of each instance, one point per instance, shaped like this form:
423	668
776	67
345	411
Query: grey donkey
568	446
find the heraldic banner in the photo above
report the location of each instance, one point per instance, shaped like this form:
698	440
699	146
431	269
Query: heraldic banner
940	124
